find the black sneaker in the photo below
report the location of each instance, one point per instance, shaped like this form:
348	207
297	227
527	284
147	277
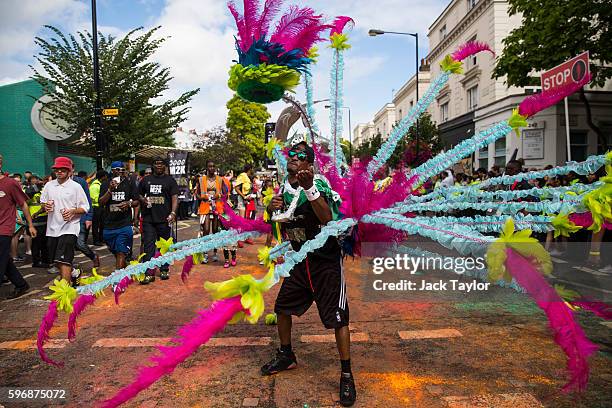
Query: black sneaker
76	280
18	292
147	279
348	394
164	275
281	362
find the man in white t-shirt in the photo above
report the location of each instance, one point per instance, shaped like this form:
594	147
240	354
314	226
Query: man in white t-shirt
65	202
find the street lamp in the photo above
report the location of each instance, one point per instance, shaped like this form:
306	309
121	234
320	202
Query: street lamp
373	33
98	137
350	132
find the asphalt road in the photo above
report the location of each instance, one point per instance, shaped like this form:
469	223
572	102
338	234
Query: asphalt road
492	351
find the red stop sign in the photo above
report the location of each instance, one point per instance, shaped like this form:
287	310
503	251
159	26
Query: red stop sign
571	71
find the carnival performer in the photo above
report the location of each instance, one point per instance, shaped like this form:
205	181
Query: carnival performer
158	196
65	202
213	190
118	197
320	276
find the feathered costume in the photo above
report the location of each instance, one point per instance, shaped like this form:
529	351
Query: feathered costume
269	66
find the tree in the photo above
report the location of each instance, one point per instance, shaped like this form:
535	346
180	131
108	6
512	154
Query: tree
129	81
347	149
223	148
552	32
246	123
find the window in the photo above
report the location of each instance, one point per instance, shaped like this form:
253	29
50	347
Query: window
411	104
578	145
400	114
471	61
444	112
471	4
443	32
483	157
472	97
500	152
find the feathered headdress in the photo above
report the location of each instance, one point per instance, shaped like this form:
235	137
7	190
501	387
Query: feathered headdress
269	64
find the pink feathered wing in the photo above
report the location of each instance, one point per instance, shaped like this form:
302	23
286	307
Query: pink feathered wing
340	23
600	309
585	220
567	333
43	334
537	103
470	48
242	224
79	306
187	268
190	338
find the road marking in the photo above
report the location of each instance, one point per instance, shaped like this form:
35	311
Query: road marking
429	334
585	286
29	275
31	344
557	260
24	266
33	292
514	400
331	338
589	270
250	402
154	341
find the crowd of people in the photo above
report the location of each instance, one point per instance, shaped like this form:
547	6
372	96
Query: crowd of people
52	216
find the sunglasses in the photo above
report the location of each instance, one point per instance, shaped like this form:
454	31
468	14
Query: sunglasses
300	155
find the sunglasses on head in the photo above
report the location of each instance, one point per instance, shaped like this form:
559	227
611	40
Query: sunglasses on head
300	155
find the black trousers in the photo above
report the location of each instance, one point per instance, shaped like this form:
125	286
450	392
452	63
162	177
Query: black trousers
7	267
40	254
97	225
151	232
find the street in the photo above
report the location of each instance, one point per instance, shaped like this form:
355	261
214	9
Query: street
496	353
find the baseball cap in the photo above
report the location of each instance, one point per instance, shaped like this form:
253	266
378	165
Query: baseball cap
159	158
116	165
62	162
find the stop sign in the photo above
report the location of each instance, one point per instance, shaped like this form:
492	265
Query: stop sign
572	71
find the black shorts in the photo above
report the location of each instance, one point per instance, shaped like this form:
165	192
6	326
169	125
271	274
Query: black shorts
319	281
61	249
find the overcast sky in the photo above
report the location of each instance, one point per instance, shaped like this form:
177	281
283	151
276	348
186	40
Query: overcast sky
200	49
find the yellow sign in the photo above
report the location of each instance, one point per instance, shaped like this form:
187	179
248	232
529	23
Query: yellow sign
110	112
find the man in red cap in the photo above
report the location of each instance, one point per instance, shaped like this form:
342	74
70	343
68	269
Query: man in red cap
65	202
11	196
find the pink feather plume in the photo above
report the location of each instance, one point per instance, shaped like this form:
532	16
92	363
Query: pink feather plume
340	23
292	24
79	306
567	333
187	268
121	287
470	48
269	12
307	37
242	33
537	103
242	224
43	334
600	309
190	338
585	220
251	20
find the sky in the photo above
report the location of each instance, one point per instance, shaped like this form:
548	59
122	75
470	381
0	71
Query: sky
200	47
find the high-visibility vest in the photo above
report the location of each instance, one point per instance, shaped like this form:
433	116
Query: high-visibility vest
218	186
94	193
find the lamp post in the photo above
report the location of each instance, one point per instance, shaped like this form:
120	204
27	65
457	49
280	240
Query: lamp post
350	132
99	138
373	33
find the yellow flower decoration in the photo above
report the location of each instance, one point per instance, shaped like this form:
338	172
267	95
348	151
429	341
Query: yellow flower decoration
138	277
313	54
280	75
563	226
271	145
448	64
567	295
198	258
250	290
339	41
599	202
270	319
263	254
523	244
63	293
92	279
164	245
517	121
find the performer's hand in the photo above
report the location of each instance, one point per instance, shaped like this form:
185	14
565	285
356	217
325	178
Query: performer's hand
124	205
32	231
113	185
305	178
277	202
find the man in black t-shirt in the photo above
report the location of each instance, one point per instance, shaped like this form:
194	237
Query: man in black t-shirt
117	198
320	277
158	195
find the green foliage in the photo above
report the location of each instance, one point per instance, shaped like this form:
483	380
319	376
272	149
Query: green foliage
552	32
224	149
129	81
246	123
347	148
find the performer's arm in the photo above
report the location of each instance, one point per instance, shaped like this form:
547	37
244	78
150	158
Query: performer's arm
319	204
